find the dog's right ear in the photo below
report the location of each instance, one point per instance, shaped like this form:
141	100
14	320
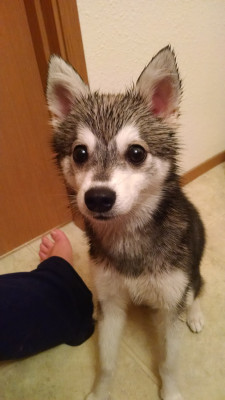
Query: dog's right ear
64	86
160	85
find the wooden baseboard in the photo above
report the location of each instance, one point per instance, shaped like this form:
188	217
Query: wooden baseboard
202	168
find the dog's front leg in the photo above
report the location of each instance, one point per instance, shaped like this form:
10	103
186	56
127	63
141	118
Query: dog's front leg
110	329
168	329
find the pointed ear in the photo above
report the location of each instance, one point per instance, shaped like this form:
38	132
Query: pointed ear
160	84
64	85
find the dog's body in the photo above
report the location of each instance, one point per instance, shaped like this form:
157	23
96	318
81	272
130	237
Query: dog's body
118	153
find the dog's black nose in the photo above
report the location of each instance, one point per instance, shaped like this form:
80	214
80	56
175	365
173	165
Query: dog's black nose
100	199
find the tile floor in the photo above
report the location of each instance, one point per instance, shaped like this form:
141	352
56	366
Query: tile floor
67	373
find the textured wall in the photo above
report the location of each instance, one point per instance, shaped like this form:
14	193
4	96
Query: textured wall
121	36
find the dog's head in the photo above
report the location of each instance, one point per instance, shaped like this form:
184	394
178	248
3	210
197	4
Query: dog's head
115	151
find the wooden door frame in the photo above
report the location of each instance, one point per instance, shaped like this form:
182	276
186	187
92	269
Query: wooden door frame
55	29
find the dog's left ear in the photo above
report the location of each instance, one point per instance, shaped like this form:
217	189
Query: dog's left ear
64	87
160	84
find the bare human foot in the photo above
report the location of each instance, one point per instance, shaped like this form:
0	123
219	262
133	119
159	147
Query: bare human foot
60	246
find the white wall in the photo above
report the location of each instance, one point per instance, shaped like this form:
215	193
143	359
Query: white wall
121	36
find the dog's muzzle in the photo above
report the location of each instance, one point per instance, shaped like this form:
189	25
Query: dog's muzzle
100	199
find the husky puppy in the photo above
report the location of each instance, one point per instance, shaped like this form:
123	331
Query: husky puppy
118	154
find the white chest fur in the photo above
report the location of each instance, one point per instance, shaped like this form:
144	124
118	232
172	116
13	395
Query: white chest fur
163	290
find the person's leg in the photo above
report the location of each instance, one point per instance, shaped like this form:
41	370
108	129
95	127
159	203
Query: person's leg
45	307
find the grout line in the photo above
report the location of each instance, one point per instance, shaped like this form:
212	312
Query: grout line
140	363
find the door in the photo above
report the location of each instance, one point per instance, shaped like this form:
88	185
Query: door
33	198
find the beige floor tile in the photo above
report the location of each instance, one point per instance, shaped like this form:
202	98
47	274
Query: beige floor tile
132	381
140	337
62	373
208	194
23	259
68	373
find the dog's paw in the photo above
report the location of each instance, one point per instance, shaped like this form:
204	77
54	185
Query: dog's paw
195	320
196	324
93	396
176	396
171	396
90	396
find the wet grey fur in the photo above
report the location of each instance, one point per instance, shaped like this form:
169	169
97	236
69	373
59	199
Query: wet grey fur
106	114
171	238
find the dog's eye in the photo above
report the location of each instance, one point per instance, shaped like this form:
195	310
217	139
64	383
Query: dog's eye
80	154
136	154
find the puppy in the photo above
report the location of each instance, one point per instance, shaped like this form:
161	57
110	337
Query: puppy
118	154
